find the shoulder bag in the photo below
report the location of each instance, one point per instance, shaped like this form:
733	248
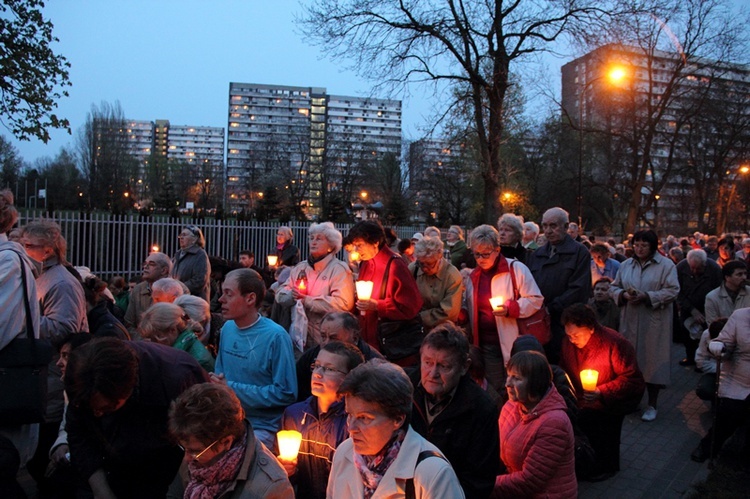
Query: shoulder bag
398	339
538	324
23	372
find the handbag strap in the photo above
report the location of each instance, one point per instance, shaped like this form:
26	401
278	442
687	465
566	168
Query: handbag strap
513	280
29	322
385	278
409	490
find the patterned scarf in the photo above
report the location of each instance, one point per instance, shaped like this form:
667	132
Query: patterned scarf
372	468
208	482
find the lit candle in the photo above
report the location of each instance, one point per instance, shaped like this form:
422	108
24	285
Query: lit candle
354	256
364	291
155	248
497	302
589	377
272	260
302	286
289	441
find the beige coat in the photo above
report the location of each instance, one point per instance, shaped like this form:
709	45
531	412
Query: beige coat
648	326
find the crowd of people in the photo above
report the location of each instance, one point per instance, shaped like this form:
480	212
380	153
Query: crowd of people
456	366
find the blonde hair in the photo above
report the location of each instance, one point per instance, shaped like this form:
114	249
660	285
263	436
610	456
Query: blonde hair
164	322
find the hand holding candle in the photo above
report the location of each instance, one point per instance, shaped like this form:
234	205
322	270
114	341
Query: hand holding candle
272	260
589	377
289	441
498	305
364	291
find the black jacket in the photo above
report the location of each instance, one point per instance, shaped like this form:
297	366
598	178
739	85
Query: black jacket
466	432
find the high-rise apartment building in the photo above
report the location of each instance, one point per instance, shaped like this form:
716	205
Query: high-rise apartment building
300	136
661	105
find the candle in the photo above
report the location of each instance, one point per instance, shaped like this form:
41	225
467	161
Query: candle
354	256
364	291
589	377
272	260
302	286
289	441
497	302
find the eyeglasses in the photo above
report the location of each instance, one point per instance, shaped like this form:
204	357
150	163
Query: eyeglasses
198	455
483	256
325	370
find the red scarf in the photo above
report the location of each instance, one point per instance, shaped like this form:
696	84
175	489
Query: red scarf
208	482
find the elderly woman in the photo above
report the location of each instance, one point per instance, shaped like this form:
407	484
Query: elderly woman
168	324
439	283
510	231
395	296
645	289
199	311
190	264
494	329
287	253
323	283
536	437
454	242
222	457
16	283
383	455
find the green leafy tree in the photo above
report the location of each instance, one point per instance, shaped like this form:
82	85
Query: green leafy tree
63	179
32	76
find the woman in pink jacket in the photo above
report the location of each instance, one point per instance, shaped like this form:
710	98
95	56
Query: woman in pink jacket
536	437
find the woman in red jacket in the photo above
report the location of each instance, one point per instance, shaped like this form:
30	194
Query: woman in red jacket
399	299
536	437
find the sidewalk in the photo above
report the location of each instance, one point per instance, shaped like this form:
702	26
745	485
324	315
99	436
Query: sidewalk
655	457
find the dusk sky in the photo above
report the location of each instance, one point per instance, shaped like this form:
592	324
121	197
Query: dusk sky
169	59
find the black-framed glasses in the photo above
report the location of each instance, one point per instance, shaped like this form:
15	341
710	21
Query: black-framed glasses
483	256
324	369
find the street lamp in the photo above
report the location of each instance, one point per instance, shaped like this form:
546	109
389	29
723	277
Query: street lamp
615	74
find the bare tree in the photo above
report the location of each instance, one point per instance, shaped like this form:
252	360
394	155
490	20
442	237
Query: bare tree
469	44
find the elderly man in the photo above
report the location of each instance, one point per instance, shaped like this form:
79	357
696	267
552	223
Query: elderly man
574	232
335	326
744	253
439	283
157	266
698	275
167	290
731	295
454	413
562	270
618	390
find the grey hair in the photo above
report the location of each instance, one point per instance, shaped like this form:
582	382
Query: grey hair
287	231
512	221
697	256
163	261
431	229
428	246
458	229
558	214
168	286
195	306
332	235
484	234
532	227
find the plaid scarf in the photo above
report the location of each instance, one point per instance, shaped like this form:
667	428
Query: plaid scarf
373	468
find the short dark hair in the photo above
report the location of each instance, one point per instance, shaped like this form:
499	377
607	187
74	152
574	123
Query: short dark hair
370	231
403	245
727	241
602	279
249	281
730	267
390	235
383	384
76	340
600	249
579	315
648	236
107	366
350	352
206	412
534	367
448	337
716	326
247	253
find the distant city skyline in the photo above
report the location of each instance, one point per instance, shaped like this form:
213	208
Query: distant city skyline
174	60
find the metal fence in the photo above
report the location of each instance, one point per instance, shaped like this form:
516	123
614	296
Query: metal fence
117	244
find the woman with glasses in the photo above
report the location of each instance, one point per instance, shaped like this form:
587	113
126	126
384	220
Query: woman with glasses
320	419
395	296
645	289
222	457
384	456
190	264
493	324
439	283
323	283
287	253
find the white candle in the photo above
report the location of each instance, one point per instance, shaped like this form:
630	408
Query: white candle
272	260
289	441
364	291
589	377
497	302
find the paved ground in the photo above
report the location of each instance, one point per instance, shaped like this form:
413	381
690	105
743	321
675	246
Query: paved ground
655	457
